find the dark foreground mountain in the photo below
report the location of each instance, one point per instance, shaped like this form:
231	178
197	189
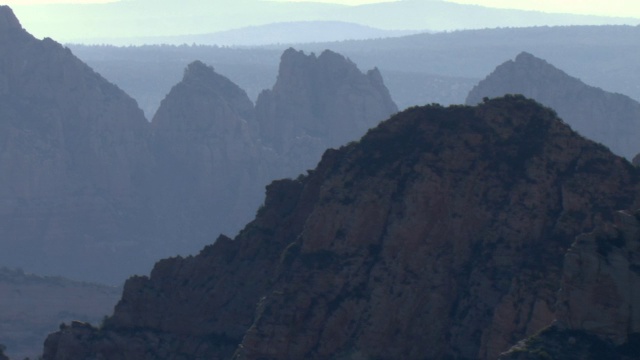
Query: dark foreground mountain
608	118
32	306
442	233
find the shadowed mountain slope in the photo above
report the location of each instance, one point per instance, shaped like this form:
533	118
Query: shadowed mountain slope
608	118
440	234
73	156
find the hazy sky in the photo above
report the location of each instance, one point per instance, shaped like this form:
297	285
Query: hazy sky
624	8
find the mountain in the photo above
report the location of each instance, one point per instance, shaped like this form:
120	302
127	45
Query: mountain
442	233
417	69
612	119
212	167
318	103
146	18
32	306
73	157
275	33
91	190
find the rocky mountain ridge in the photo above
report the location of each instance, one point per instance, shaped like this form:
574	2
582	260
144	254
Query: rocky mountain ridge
442	233
92	190
609	118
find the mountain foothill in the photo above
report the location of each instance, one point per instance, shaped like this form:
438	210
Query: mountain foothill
480	231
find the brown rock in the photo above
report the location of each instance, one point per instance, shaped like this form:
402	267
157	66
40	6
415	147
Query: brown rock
440	234
601	281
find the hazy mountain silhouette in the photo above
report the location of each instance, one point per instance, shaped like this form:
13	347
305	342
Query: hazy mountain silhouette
417	69
144	18
608	118
73	159
275	33
93	191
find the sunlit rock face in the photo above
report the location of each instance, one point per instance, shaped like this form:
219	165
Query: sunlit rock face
609	118
73	154
442	233
319	102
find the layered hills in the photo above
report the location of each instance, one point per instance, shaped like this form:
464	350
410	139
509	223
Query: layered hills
33	306
442	233
609	118
91	190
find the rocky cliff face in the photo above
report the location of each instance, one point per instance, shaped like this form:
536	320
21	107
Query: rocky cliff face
608	118
212	167
441	234
319	103
598	313
73	154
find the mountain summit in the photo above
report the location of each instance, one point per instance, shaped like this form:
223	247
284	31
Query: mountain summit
8	19
609	118
319	102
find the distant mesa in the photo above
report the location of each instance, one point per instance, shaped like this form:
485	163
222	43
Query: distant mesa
609	118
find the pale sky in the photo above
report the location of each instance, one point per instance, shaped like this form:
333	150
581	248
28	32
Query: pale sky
623	8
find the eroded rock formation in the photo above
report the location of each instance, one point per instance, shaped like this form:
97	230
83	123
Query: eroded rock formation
319	103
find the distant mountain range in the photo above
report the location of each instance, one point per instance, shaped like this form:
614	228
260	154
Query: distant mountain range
277	33
417	69
147	18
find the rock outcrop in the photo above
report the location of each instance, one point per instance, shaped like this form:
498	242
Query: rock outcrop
609	118
440	234
319	103
211	165
73	156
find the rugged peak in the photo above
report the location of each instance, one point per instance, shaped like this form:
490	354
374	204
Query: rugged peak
198	69
611	119
526	57
8	19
